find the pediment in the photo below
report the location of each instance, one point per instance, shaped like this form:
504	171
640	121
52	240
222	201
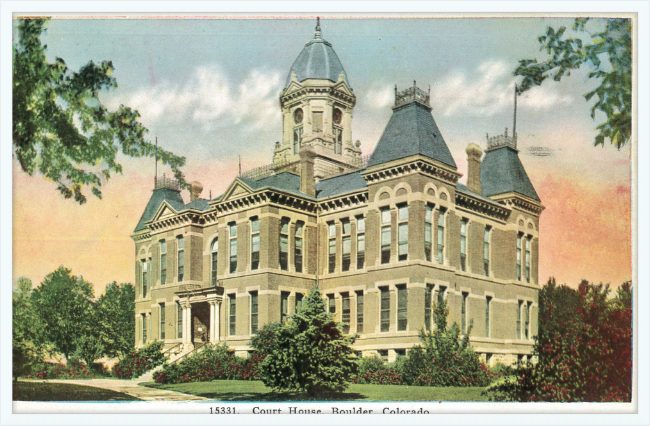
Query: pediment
342	87
237	189
164	211
294	86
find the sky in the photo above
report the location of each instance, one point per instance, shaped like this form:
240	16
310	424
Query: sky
209	90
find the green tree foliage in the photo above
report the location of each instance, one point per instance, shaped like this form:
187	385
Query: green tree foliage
309	352
64	309
582	356
445	358
115	312
60	127
609	56
88	348
26	349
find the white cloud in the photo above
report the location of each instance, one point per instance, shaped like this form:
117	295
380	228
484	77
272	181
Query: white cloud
208	98
377	98
488	91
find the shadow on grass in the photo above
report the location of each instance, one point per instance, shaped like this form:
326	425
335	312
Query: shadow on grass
39	391
280	396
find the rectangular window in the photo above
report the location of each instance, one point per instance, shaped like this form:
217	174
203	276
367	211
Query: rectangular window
331	302
441	236
519	239
179	321
214	249
346	245
402	307
284	244
486	251
463	311
527	260
232	314
361	242
345	312
338	145
163	262
317	121
428	293
332	247
297	139
441	294
385	309
284	306
150	274
297	253
145	276
402	232
359	312
232	235
488	302
144	328
428	231
255	243
162	321
385	235
299	297
254	307
519	306
527	323
383	354
180	241
463	244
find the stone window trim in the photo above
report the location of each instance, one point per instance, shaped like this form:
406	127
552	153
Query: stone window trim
180	258
284	233
464	233
331	247
214	260
487	250
403	214
465	311
255	239
299	242
232	265
346	245
359	241
385	239
253	296
162	256
231	329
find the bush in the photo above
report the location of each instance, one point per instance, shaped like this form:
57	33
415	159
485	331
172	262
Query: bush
74	369
140	361
211	363
370	364
385	376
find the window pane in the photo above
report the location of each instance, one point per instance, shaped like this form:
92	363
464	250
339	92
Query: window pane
385	309
361	249
254	307
162	321
284	313
346	226
332	230
403	212
331	303
181	243
385	216
233	230
428	214
403	235
359	311
345	312
361	224
402	305
179	321
255	225
285	226
299	227
427	306
232	310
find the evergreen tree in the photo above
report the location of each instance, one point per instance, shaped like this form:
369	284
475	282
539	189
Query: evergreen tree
309	352
26	349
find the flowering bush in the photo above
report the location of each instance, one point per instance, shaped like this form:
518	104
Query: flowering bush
140	361
212	363
386	376
74	369
584	356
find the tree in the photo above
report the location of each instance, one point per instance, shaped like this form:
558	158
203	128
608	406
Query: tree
116	319
64	310
609	56
589	358
310	352
26	350
60	127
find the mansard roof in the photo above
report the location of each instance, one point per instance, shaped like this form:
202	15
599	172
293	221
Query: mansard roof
503	172
171	196
340	184
411	130
285	181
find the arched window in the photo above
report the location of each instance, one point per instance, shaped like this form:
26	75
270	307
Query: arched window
297	257
214	251
284	244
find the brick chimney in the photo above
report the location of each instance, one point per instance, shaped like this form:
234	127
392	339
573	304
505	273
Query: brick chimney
474	154
195	190
307	180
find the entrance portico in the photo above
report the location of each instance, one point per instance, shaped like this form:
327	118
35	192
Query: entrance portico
197	303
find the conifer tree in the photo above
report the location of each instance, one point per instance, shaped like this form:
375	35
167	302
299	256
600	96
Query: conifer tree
310	353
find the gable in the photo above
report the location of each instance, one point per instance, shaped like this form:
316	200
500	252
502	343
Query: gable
236	189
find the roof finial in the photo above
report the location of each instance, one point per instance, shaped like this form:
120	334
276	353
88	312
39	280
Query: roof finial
317	35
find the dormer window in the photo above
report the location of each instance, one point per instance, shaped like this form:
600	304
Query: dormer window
297	139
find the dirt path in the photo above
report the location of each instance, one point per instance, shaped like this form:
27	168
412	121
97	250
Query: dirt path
131	387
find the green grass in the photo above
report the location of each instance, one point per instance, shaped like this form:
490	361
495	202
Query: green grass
241	390
38	391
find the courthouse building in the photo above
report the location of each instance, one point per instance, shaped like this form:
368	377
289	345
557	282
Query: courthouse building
383	237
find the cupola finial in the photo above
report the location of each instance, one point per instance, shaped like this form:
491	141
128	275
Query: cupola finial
317	35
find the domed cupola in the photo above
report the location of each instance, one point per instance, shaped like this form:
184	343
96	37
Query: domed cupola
317	104
318	60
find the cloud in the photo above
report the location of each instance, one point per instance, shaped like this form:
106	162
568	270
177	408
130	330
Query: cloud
377	98
488	91
209	99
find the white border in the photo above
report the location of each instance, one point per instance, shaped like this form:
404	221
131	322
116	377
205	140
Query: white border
259	7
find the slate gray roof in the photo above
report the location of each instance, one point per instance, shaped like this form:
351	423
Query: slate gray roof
462	188
411	130
288	182
502	171
159	195
341	184
317	60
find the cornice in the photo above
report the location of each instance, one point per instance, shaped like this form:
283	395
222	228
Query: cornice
382	172
476	204
294	96
520	202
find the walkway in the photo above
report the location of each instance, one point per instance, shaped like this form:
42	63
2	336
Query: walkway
131	387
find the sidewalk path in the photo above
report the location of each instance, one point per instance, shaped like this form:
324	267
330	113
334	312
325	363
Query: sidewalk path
131	387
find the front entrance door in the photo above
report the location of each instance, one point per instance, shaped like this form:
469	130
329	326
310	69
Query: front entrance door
201	322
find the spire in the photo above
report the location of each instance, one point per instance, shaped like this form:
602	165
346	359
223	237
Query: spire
317	35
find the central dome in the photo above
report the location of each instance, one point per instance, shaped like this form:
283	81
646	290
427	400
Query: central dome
317	60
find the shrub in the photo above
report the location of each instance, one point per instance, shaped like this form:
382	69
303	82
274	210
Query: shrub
385	376
74	369
140	361
370	364
309	352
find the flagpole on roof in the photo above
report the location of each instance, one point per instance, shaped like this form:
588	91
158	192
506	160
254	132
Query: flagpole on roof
155	179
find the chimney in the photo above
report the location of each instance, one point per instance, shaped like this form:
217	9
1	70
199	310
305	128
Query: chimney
307	180
195	190
474	154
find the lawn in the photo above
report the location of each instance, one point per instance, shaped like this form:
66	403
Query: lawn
38	391
241	390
